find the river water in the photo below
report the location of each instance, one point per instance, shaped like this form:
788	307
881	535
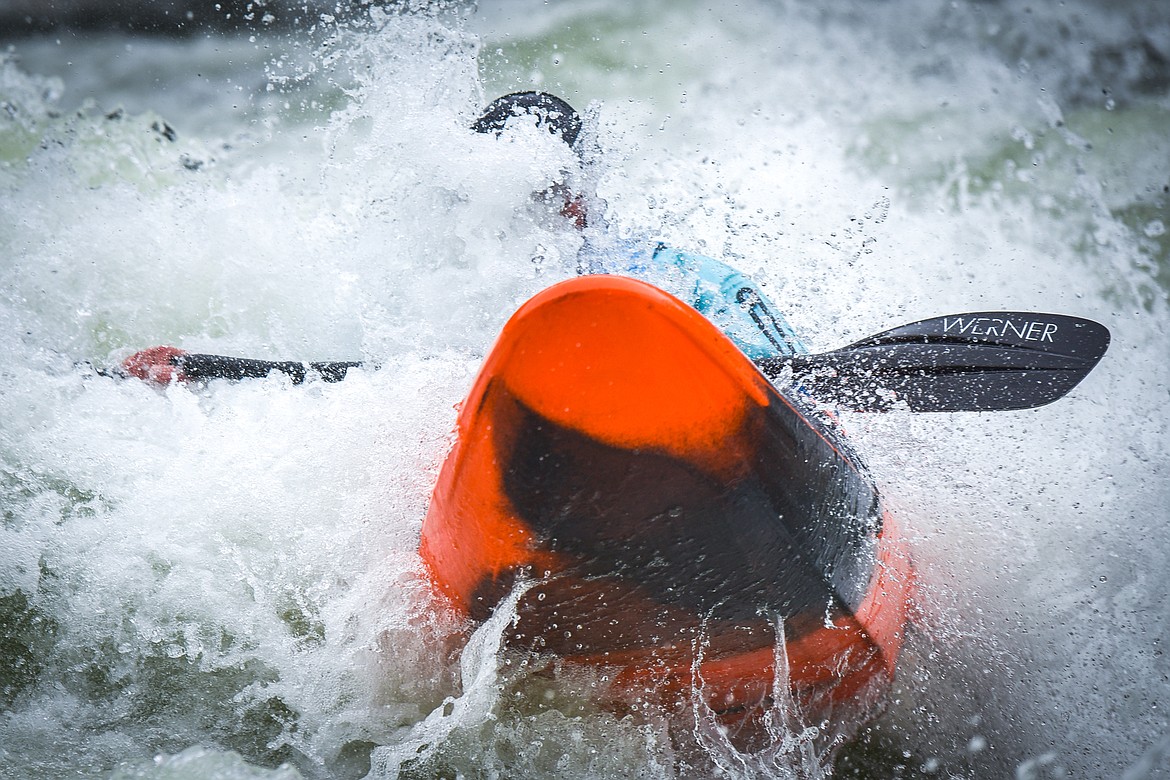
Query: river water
222	581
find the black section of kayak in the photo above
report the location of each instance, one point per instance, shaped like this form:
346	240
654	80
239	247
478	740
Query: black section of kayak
794	536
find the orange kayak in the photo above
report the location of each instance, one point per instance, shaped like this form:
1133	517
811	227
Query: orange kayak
671	510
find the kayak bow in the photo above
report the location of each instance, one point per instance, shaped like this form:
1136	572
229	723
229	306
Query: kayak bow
670	508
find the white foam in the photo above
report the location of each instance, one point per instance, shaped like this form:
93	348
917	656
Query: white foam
243	555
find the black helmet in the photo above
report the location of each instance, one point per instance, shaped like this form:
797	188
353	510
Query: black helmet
550	111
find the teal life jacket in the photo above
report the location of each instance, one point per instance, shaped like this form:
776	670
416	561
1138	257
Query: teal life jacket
722	294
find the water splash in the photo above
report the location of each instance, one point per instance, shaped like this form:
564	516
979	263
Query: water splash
234	565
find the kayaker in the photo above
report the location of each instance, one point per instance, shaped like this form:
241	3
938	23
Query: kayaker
724	295
728	298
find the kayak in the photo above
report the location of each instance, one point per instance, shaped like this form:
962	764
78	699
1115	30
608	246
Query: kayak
673	519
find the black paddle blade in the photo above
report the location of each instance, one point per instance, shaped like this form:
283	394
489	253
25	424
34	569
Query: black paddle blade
982	361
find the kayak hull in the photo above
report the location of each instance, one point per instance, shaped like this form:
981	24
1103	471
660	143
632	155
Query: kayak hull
674	518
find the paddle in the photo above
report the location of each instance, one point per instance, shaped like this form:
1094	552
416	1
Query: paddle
976	362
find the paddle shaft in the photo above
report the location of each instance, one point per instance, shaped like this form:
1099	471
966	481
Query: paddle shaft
197	367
